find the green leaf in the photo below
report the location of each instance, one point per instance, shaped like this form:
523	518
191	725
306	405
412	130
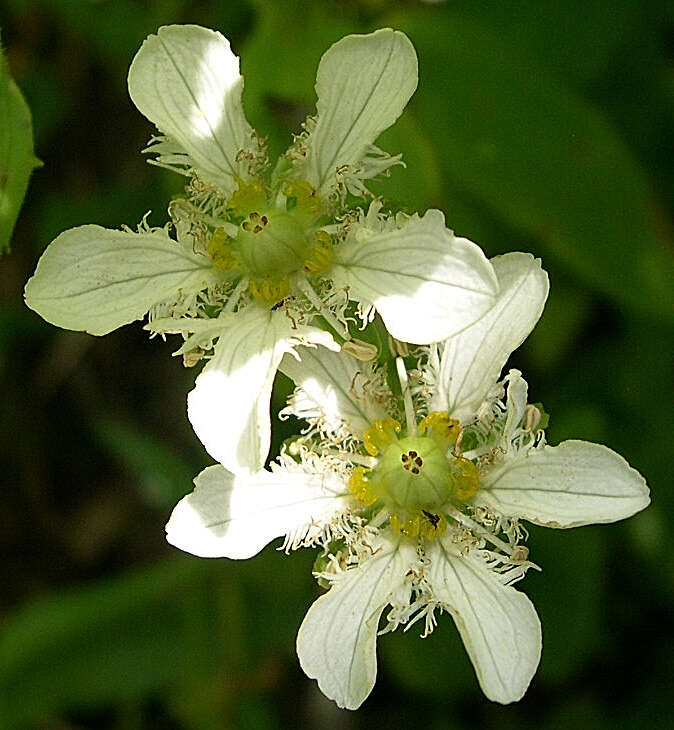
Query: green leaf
113	640
418	185
279	62
569	595
535	153
436	666
17	160
579	39
163	475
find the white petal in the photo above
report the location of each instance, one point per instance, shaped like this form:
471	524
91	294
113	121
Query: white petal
426	283
336	643
94	279
363	84
498	625
229	516
330	388
229	406
471	362
575	483
186	81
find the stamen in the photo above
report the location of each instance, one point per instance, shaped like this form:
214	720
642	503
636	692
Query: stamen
369	462
234	297
410	416
479	530
364	351
305	287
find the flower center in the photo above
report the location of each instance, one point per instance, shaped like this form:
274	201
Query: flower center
277	237
271	242
416	477
413	473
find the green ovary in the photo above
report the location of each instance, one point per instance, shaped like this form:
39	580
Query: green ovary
271	243
414	474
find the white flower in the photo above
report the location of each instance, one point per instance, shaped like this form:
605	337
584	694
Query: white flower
253	253
415	495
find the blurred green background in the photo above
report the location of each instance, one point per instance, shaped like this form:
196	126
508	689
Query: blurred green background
538	125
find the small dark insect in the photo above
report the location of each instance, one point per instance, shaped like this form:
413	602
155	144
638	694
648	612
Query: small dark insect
432	518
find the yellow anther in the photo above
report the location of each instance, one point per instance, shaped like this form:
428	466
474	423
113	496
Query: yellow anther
307	200
319	256
268	290
360	487
221	252
441	428
466	479
249	196
365	351
380	434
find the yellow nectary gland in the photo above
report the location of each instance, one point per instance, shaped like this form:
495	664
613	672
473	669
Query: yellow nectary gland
425	524
222	254
441	428
380	435
269	290
361	488
249	196
319	256
466	478
303	199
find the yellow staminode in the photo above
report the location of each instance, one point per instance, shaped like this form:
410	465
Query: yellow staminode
249	197
222	254
441	428
466	479
319	256
381	433
307	200
361	489
269	290
427	524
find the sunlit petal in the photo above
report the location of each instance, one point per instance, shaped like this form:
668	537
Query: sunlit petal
363	84
498	624
236	516
94	279
575	483
186	80
471	362
426	283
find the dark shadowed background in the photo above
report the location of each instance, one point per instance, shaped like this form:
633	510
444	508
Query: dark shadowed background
538	125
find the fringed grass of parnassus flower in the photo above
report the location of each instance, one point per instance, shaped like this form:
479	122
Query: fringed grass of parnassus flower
413	480
254	252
